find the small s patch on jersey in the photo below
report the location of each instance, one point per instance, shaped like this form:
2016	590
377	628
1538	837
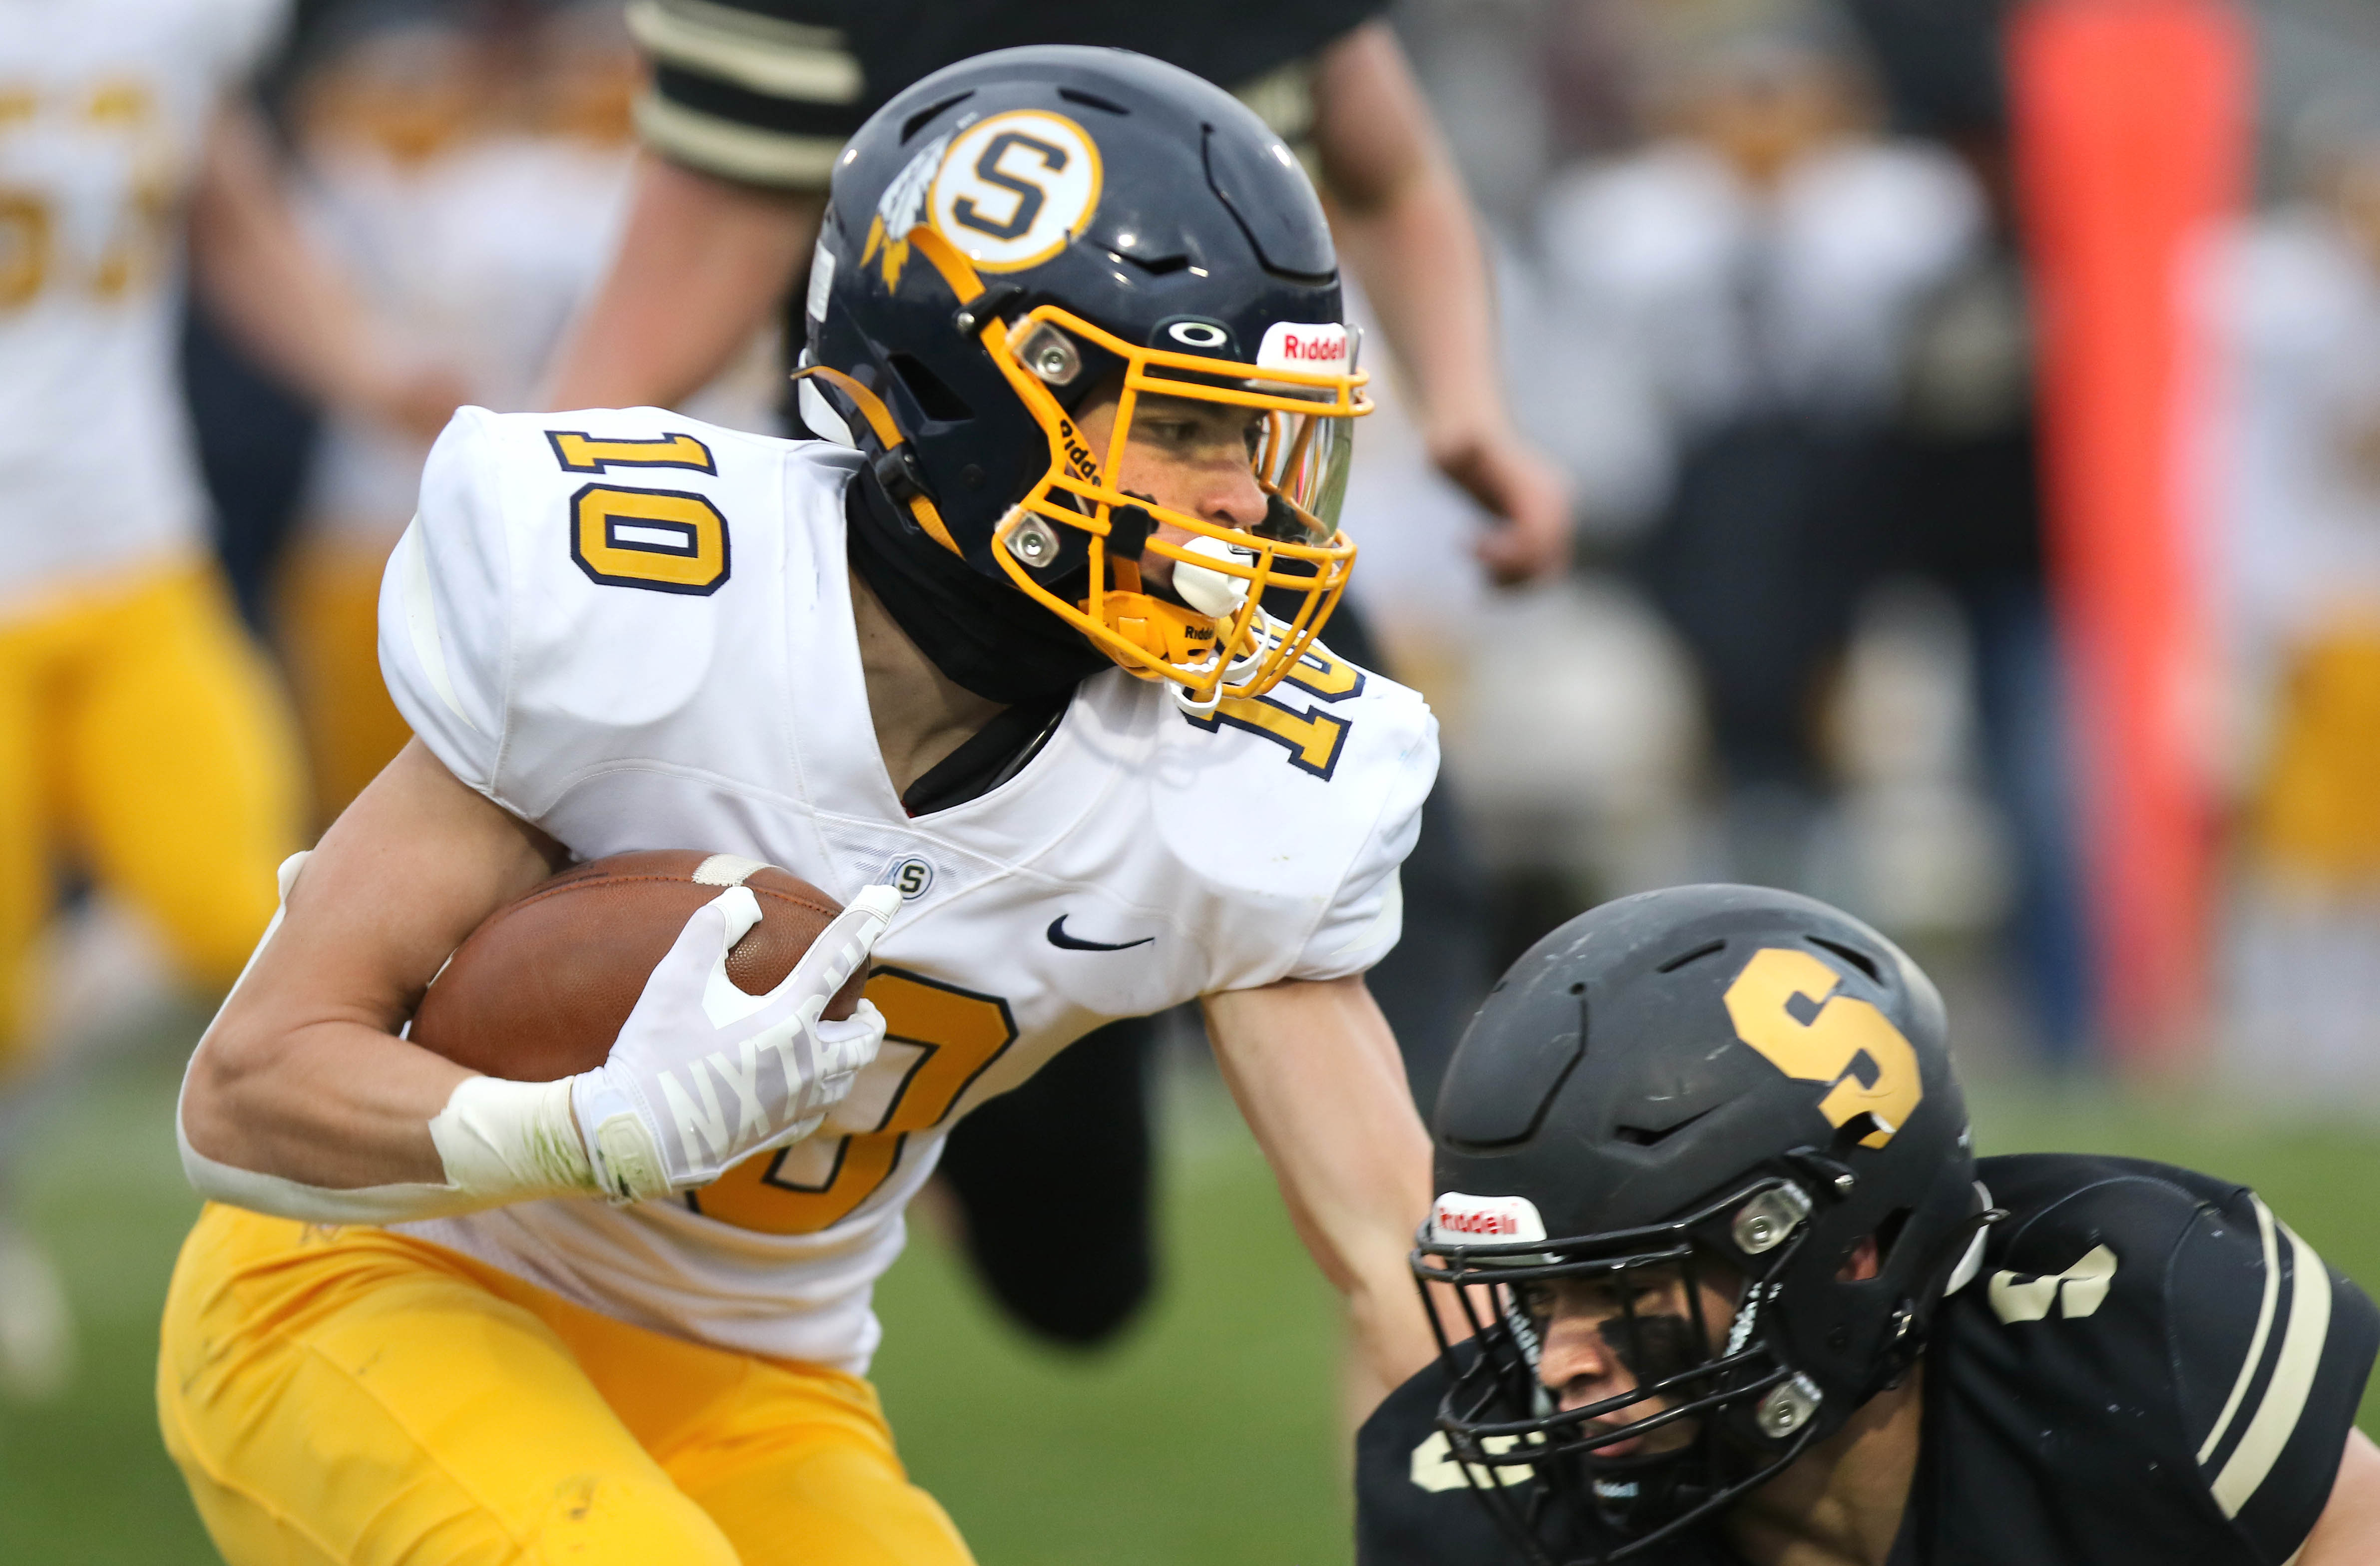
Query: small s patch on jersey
911	877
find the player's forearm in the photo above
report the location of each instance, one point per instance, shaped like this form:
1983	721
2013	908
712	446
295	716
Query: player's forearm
265	281
1315	1073
701	263
335	1105
1422	267
2348	1530
1403	223
301	1078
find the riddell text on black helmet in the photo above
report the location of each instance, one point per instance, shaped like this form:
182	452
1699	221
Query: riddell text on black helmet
1712	1134
1036	231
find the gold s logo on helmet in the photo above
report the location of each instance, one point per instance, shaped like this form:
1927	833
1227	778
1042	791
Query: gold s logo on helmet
1828	1037
1013	189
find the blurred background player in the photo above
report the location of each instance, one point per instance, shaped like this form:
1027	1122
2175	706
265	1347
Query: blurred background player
468	165
2299	545
142	742
747	112
1778	331
1758	264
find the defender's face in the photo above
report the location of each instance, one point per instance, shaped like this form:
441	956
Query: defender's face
1186	456
1605	1335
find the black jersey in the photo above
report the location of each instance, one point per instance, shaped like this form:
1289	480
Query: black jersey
2149	1368
765	92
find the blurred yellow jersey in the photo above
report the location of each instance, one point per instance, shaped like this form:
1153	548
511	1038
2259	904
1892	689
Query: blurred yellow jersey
103	107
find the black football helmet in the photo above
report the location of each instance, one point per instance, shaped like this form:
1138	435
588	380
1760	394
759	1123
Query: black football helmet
1024	229
1739	1083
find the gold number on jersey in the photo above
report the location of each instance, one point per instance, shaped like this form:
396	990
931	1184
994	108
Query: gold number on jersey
139	238
143	234
959	1032
24	246
662	540
581	452
1314	739
1784	1004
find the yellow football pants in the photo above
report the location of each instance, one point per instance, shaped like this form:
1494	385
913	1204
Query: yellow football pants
142	732
2317	814
329	614
351	1395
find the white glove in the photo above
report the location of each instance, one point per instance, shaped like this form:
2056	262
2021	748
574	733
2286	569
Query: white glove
703	1075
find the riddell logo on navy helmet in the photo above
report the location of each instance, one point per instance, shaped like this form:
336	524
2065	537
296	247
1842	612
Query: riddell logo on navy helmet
1289	345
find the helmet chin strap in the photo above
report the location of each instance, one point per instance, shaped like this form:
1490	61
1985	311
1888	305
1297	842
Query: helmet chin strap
977	630
888	434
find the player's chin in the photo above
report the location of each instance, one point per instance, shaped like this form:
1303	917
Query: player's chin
1157	576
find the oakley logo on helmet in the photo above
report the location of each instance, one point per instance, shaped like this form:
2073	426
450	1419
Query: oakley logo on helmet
1784	1004
1291	344
1013	189
1487	1220
1199	334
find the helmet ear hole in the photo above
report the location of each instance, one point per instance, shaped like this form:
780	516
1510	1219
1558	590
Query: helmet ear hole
1868	1256
1887	1233
934	396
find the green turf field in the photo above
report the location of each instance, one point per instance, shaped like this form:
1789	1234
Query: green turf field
1208	1436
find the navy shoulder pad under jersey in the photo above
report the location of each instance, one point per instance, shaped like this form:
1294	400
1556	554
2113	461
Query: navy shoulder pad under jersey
2150	1367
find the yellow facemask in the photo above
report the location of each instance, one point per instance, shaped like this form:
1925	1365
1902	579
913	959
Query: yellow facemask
1220	641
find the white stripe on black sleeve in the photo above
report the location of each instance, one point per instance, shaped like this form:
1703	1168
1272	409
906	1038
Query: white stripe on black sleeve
2276	1419
2256	1341
781	59
734	151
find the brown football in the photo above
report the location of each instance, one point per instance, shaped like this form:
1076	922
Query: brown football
539	989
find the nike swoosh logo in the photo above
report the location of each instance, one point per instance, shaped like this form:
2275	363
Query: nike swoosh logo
1059	938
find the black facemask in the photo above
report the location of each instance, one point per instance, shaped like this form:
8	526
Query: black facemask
983	634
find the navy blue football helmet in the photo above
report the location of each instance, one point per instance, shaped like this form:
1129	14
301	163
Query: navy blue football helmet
1024	230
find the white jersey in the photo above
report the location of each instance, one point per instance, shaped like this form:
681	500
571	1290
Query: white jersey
104	106
635	630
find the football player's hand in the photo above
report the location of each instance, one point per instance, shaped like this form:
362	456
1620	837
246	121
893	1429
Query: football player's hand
1521	487
704	1074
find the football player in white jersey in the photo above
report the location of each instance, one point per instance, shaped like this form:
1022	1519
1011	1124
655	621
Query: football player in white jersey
469	167
138	727
1020	658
